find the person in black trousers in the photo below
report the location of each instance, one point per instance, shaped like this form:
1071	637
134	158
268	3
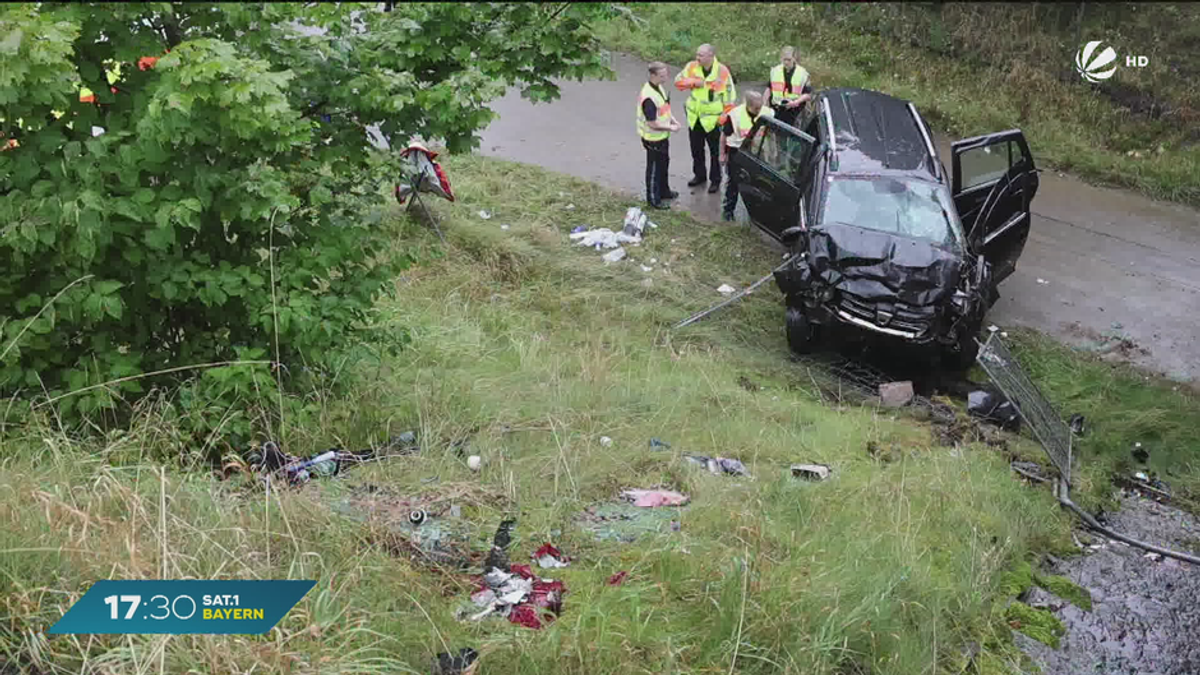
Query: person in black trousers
655	124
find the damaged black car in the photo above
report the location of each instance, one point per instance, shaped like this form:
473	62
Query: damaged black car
887	246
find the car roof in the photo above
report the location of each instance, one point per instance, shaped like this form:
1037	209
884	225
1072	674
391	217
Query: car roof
875	133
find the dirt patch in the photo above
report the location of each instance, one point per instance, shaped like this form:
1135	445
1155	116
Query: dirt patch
1145	615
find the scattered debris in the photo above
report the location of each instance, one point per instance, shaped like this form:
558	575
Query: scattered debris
745	383
719	465
618	578
606	441
654	261
417	517
549	557
1077	424
570	207
635	222
474	462
647	268
1042	282
992	406
485	215
462	663
1139	453
726	289
1156	557
603	238
653	498
518	595
814	472
896	394
498	556
656	444
579	228
614	256
504	227
624	522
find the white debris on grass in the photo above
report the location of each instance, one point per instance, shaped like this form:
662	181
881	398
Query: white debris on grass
614	256
1042	282
485	215
647	269
635	222
605	441
726	289
550	561
570	207
504	227
603	237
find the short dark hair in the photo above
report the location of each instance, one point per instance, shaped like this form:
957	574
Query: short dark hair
656	66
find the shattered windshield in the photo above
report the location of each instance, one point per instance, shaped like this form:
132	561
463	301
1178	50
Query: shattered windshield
909	208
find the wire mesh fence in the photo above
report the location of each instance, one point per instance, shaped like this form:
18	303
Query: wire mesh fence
1038	413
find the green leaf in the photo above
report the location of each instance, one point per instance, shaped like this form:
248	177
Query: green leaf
107	287
143	196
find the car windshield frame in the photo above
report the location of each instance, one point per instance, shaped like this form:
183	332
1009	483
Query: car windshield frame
835	201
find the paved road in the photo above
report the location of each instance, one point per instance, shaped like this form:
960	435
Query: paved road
1109	261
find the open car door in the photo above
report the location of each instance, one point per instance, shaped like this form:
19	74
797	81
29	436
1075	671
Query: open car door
994	184
770	169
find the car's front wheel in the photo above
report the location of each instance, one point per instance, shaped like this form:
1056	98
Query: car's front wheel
963	355
801	333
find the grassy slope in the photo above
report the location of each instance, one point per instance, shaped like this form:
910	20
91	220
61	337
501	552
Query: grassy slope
1068	126
543	349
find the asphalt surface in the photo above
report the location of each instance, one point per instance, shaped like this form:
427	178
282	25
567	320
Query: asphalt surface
1145	615
1102	267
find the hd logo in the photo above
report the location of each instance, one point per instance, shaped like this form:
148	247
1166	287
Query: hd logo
1096	67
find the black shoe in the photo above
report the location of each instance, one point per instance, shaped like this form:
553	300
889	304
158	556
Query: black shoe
727	216
660	206
713	187
670	194
696	181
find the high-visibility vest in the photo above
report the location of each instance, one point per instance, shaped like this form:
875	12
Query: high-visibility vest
719	82
799	79
742	123
664	113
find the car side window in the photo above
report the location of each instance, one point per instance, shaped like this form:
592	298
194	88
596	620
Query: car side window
782	152
988	163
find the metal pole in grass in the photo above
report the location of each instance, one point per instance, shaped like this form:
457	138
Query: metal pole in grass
696	317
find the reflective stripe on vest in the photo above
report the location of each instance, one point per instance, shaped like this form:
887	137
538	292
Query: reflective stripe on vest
664	114
799	79
719	81
742	123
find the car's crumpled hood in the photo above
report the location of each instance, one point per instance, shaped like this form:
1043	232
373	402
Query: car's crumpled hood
879	266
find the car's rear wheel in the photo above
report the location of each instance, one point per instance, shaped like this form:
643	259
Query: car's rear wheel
801	333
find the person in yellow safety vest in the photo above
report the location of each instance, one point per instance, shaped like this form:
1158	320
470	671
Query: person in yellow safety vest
790	87
655	123
735	126
712	92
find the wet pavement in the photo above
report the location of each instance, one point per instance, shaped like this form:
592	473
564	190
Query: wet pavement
1145	615
1110	261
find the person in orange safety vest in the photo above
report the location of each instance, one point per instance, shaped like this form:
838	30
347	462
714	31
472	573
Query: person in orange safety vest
711	92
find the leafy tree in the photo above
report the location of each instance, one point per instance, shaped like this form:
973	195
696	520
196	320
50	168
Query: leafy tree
238	157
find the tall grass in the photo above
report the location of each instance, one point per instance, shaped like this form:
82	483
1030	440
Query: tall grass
533	350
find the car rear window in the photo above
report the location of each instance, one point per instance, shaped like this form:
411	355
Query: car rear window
908	208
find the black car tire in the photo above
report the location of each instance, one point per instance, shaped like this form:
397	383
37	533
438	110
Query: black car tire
801	333
963	357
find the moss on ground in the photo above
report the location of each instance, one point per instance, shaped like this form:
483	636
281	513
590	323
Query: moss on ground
1039	624
1067	590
